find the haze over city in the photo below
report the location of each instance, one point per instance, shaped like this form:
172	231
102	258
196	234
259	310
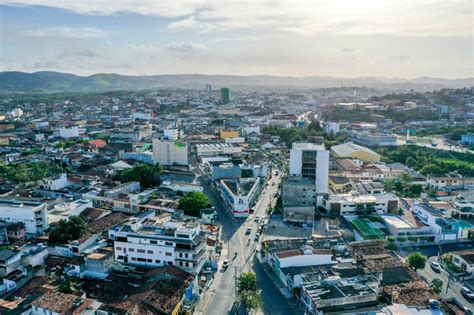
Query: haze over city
391	38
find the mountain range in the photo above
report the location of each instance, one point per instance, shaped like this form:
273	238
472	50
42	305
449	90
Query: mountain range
50	81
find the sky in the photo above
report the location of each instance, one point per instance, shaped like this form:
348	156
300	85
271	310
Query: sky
344	38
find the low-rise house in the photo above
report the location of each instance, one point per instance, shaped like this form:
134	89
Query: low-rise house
464	260
58	303
10	260
450	181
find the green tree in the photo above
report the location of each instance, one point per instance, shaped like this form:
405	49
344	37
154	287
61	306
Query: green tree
247	282
67	230
247	291
416	261
436	285
193	203
391	246
147	175
250	300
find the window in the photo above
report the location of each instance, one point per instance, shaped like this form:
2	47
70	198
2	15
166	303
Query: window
170	263
149	260
168	254
157	261
149	252
141	259
118	248
120	257
169	243
186	255
121	239
141	251
131	250
180	254
187	264
134	258
153	242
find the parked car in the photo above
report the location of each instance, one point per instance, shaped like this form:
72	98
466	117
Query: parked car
435	266
257	218
225	264
248	231
467	293
257	236
207	270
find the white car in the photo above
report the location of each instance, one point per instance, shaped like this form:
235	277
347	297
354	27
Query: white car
435	266
225	264
467	293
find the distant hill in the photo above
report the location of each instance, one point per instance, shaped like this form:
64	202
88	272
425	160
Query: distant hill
49	81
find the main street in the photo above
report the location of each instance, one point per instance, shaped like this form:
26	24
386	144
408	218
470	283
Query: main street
220	297
454	286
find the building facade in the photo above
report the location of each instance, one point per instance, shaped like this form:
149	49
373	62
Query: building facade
170	152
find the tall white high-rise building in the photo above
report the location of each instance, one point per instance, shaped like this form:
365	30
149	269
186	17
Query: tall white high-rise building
312	161
170	152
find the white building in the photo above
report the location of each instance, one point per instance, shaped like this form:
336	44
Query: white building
31	214
142	115
170	152
349	204
331	127
54	183
17	112
159	244
67	133
215	149
312	161
240	195
171	134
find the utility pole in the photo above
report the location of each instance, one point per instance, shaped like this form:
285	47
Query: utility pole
235	280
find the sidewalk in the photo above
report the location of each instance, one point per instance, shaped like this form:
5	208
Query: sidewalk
289	297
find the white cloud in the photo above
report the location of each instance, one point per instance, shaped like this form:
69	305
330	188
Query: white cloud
185	47
308	17
66	32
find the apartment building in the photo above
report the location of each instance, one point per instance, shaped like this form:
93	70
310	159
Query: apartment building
215	149
311	161
170	152
31	214
147	242
452	180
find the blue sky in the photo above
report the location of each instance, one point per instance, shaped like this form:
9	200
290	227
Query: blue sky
392	38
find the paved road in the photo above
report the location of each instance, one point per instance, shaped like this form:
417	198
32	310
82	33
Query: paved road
454	287
220	298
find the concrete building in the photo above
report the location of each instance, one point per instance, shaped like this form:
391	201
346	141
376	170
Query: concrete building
331	127
467	139
352	150
225	134
335	293
346	204
142	242
311	161
225	95
31	214
215	149
170	152
240	195
54	183
373	139
443	227
67	133
299	199
452	180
